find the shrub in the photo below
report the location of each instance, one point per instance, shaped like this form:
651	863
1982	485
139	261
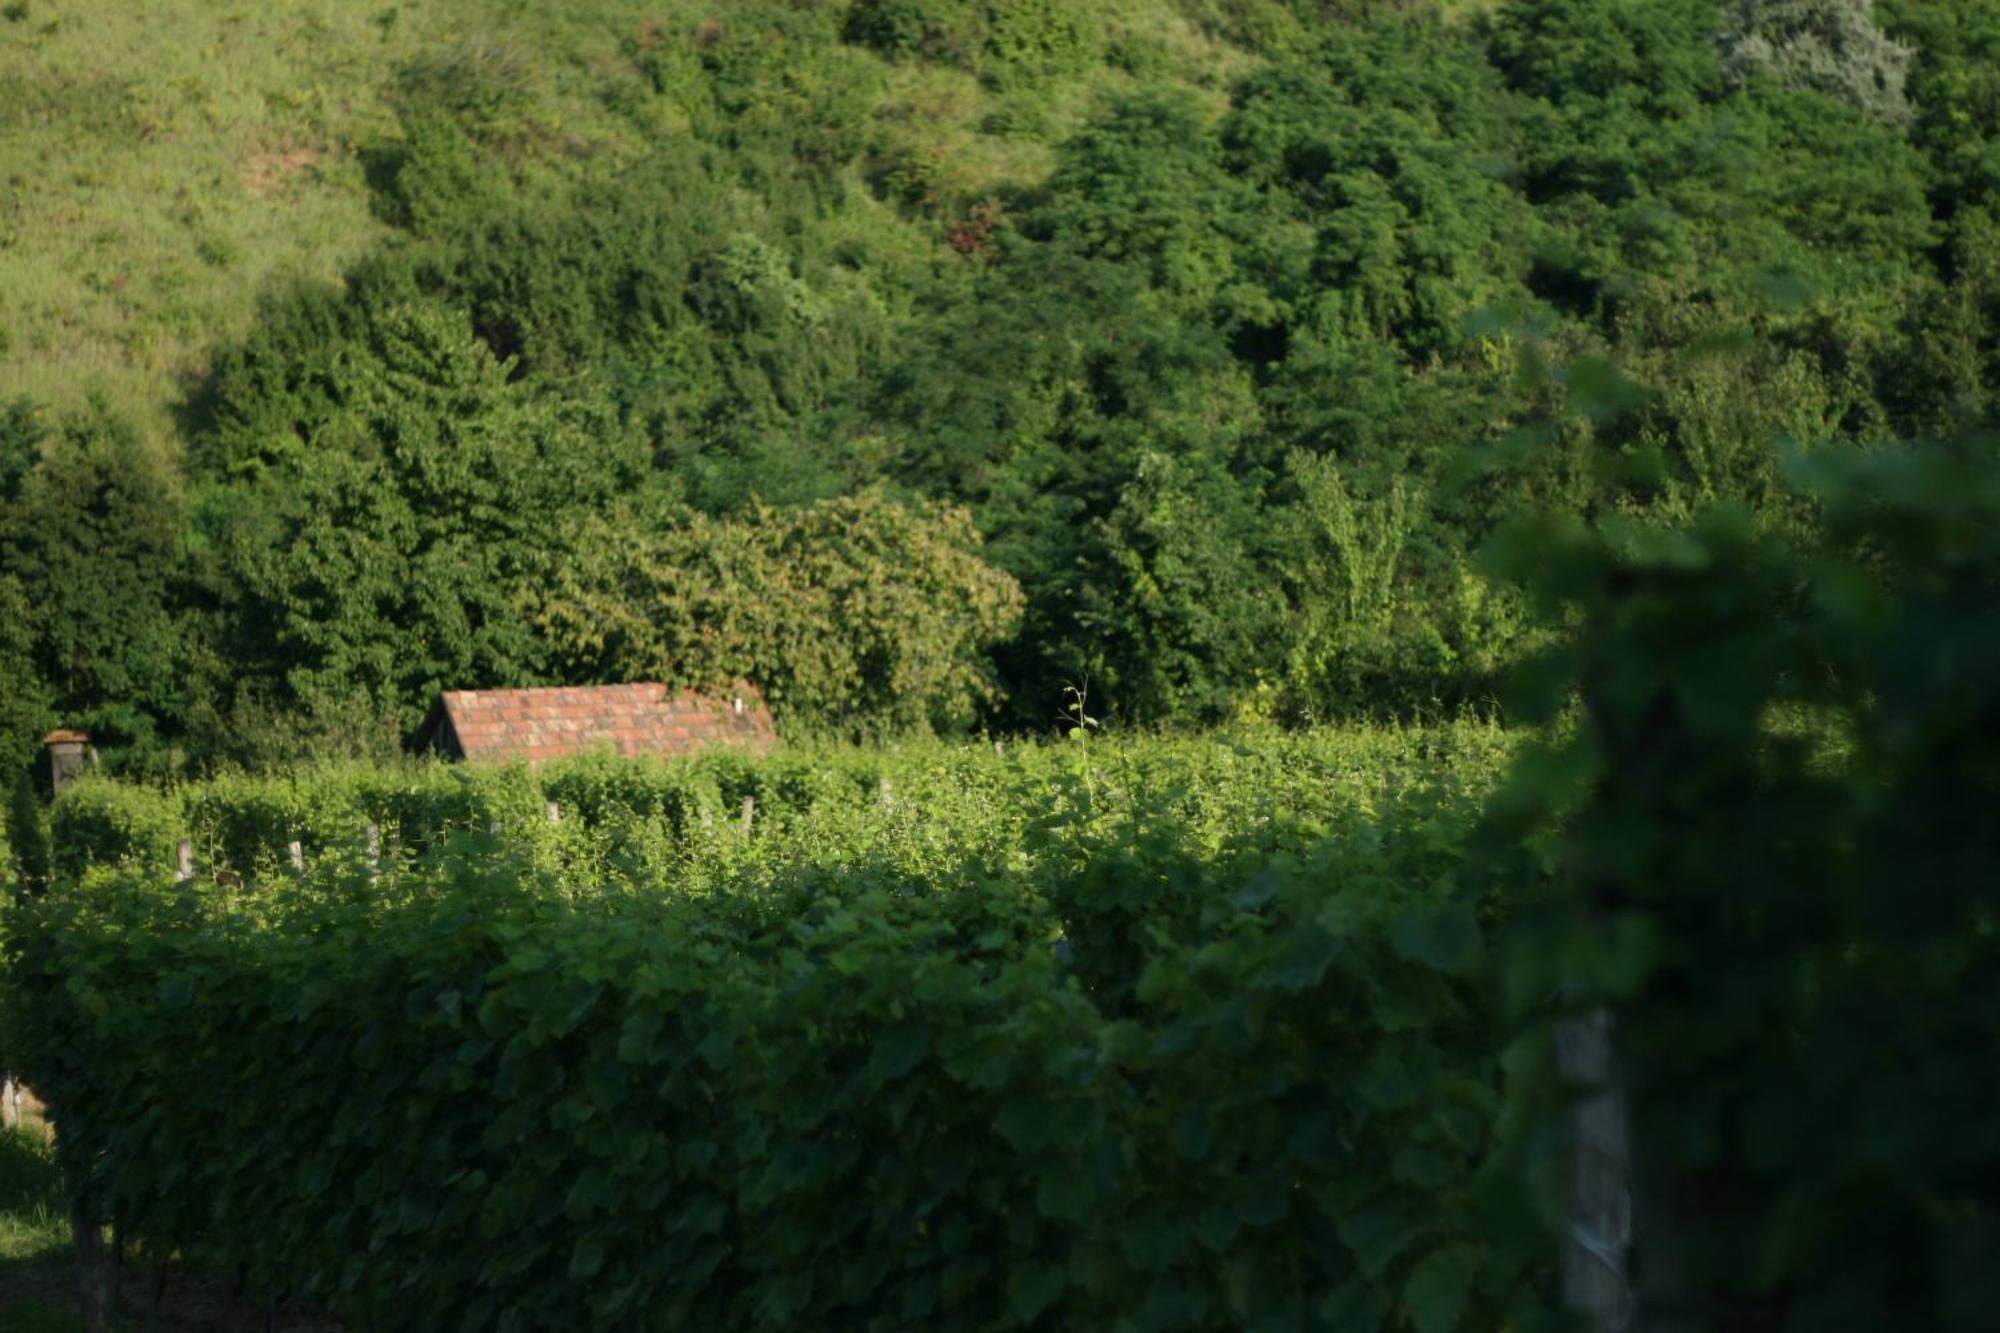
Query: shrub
101	823
996	38
858	615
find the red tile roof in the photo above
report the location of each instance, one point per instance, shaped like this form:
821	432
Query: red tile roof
632	720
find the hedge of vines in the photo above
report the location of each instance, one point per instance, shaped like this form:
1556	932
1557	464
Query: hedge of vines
676	815
1197	1040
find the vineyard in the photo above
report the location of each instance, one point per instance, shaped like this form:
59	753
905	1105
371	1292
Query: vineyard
1516	484
1429	1028
869	1039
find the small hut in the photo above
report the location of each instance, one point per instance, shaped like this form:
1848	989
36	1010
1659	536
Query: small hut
631	720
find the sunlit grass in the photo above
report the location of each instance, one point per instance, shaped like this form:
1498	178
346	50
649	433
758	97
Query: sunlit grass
161	164
164	162
33	1222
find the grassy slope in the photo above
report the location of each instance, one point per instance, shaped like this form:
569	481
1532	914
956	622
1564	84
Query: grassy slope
162	164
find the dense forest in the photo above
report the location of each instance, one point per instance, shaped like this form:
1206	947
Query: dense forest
926	360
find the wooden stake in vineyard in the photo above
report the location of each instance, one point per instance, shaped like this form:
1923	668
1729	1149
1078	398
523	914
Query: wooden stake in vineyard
1595	1283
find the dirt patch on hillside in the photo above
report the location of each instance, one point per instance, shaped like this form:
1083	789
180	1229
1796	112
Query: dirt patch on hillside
270	173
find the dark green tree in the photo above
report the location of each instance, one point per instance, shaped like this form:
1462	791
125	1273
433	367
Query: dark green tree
89	528
384	556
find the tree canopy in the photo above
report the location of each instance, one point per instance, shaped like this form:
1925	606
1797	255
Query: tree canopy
1190	351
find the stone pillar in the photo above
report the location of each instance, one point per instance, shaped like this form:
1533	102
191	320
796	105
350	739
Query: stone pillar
67	752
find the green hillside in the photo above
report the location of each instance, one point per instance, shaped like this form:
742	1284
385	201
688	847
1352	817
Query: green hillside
166	163
929	360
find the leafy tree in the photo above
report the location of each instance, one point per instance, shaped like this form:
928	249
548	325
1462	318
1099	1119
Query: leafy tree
385	554
1954	86
859	615
1144	187
1179	620
998	39
1176	336
88	549
26	706
1652	54
1390	148
1830	46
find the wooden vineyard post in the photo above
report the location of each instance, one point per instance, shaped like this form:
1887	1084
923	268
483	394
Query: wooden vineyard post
93	1270
555	813
1618	1205
1595	1283
372	849
749	811
295	852
184	861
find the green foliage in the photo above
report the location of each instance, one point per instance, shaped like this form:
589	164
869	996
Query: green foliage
1954	86
998	39
1146	289
385	554
1361	641
26	703
1177	618
88	543
1389	147
857	615
1830	46
1721	887
25	835
103	823
913	1045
